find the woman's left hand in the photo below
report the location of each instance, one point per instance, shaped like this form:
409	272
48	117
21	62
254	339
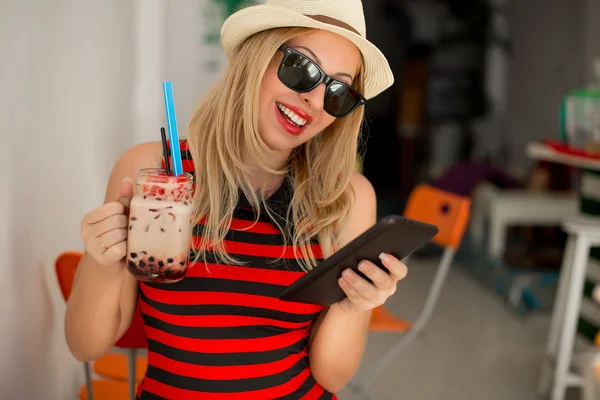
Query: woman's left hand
363	295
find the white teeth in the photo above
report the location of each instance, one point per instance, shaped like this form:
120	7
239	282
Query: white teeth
292	115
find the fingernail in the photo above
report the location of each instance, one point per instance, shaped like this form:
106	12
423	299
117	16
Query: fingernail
127	179
347	272
383	256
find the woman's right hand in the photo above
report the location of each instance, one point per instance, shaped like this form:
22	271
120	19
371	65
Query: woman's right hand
104	230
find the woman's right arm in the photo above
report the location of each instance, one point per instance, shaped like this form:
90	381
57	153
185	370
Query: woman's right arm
103	298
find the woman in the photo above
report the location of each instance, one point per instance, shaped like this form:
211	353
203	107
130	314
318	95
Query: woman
275	140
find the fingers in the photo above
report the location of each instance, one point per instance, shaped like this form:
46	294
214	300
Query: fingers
358	302
364	295
113	237
115	253
397	268
126	189
361	289
381	279
103	212
107	225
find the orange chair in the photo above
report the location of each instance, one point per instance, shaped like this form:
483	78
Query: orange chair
450	213
112	365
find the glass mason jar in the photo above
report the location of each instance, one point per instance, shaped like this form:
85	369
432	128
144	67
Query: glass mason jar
160	226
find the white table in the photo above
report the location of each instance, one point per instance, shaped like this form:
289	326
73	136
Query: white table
567	305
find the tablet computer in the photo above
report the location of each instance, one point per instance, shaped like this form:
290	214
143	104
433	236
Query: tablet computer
393	234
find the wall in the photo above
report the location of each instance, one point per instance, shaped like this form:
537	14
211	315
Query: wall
548	59
64	118
82	83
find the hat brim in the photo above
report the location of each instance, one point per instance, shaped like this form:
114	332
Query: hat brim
250	20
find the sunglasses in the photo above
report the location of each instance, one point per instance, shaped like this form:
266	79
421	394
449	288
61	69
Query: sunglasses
301	74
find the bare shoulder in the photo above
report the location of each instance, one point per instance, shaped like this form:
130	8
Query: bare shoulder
363	214
144	155
363	190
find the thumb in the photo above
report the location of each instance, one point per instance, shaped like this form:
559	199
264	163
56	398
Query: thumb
125	192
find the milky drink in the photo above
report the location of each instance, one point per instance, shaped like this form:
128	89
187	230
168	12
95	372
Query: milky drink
160	226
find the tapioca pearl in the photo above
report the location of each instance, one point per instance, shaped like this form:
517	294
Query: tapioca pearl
144	252
132	264
151	259
170	261
142	264
133	255
132	218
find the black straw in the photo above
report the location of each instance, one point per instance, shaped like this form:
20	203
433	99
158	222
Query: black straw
163	135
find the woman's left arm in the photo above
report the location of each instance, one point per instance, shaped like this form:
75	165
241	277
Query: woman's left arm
339	334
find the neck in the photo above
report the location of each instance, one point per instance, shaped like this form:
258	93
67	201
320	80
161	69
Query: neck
259	177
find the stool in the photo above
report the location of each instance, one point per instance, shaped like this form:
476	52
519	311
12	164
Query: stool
584	233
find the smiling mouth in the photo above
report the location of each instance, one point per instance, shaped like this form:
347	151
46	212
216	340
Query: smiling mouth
291	116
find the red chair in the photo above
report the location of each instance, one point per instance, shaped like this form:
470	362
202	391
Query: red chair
113	365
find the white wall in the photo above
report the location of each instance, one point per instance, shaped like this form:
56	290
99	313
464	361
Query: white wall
64	117
81	83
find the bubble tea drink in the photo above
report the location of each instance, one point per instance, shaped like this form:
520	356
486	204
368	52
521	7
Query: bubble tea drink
160	226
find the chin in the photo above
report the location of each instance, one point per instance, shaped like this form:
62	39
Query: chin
280	142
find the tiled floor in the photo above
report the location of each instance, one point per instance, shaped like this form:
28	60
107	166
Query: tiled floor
474	348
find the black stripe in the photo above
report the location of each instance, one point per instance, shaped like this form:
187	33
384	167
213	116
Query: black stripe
303	390
233	332
273	239
261	262
191	284
186	155
226	359
212	309
149	396
227	386
326	396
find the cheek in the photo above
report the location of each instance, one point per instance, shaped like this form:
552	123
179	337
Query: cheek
324	121
270	84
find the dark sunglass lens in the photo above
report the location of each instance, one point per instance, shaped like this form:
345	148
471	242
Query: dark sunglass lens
340	99
299	72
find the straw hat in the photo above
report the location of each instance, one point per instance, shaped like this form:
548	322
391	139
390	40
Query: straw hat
344	17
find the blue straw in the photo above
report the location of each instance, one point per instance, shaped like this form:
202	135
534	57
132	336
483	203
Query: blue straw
172	125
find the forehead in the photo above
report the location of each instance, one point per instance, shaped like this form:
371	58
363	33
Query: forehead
336	53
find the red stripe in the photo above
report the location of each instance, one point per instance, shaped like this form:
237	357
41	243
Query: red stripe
254	227
230	299
314	393
223	373
259	250
218	321
183	144
221	346
249	226
240	273
170	392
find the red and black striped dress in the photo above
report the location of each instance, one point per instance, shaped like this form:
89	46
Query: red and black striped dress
221	332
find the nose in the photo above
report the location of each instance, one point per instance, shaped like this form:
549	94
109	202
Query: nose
315	98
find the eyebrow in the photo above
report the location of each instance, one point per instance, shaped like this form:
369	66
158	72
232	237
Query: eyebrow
318	60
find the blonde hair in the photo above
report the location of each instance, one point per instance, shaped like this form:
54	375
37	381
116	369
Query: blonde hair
320	169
